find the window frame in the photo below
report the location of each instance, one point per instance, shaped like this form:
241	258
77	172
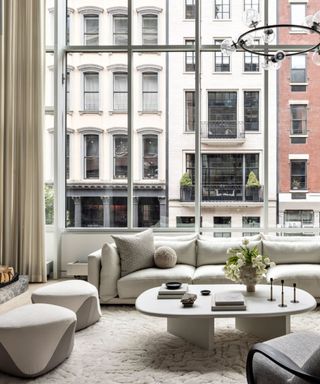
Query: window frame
90	157
189	55
292	69
222	3
114	138
246	114
296	176
95	92
143	33
87	17
116	34
186	114
117	92
223	58
146	136
304	122
193	13
144	92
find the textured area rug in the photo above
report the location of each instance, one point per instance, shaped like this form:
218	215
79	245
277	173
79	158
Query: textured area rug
128	347
10	291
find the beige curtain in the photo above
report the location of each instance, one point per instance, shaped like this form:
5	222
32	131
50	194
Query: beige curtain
21	124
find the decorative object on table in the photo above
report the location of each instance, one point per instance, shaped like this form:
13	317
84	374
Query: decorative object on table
173	285
165	257
170	293
245	265
188	299
282	295
247	40
205	292
294	294
228	301
271	291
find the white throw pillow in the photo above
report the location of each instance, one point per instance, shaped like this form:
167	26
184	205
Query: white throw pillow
165	257
136	251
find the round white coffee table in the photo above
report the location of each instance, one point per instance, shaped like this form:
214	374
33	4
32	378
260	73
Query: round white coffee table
262	318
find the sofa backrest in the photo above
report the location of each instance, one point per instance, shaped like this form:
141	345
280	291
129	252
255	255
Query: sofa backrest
283	252
290	238
215	252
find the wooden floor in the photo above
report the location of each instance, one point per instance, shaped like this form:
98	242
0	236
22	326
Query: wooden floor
24	298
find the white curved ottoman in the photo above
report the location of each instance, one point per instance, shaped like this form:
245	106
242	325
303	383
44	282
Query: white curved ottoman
77	295
35	339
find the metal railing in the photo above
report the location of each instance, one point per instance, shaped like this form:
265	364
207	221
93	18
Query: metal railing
223	192
222	129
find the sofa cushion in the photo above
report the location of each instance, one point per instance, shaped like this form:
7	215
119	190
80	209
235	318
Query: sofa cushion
165	257
136	251
306	276
282	252
289	238
210	274
132	285
110	272
215	252
185	250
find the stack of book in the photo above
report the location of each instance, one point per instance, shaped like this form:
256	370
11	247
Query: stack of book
165	293
228	301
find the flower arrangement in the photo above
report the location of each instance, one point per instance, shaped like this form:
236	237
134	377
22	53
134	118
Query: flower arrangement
246	265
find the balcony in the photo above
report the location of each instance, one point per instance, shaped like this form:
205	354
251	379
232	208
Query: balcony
227	193
222	132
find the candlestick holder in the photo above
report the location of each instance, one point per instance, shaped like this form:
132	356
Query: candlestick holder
271	298
282	296
294	294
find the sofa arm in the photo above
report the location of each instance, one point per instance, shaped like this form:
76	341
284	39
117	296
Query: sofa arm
94	267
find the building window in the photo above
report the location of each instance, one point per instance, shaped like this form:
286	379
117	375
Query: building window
68	29
148	212
252	4
91	91
120	156
298	119
298	174
185	221
91	212
298	69
150	156
91	29
224	176
251	61
149	29
221	61
190	58
120	91
120	29
222	114
250	222
118	212
251	111
222	222
190	9
298	14
190	105
67	156
149	92
91	156
222	9
298	219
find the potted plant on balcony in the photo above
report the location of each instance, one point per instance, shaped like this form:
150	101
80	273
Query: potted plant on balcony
253	187
186	187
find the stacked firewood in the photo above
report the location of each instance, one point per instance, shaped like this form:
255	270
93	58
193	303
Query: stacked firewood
6	274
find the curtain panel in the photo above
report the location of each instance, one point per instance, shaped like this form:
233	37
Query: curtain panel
21	125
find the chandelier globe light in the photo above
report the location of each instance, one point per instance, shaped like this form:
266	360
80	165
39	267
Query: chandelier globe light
246	41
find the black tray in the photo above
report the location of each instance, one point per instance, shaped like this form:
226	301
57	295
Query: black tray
15	278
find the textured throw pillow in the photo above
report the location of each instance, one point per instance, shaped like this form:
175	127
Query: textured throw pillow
136	251
165	257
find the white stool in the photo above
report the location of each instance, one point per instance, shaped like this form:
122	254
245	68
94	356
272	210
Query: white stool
35	339
77	295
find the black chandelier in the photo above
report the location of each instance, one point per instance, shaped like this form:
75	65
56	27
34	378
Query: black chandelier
247	40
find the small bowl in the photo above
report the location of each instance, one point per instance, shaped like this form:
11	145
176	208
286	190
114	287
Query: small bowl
205	292
173	285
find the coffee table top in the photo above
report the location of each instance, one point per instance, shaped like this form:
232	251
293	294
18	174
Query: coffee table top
257	303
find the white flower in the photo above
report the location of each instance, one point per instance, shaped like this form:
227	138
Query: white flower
239	254
245	241
272	264
267	260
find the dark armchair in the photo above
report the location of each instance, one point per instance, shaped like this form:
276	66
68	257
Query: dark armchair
294	359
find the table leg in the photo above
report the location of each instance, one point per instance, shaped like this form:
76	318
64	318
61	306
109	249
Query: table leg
197	331
264	327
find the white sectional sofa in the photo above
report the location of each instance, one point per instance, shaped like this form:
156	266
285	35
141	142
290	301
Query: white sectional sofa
200	260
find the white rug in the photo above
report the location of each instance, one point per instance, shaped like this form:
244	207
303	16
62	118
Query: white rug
128	347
